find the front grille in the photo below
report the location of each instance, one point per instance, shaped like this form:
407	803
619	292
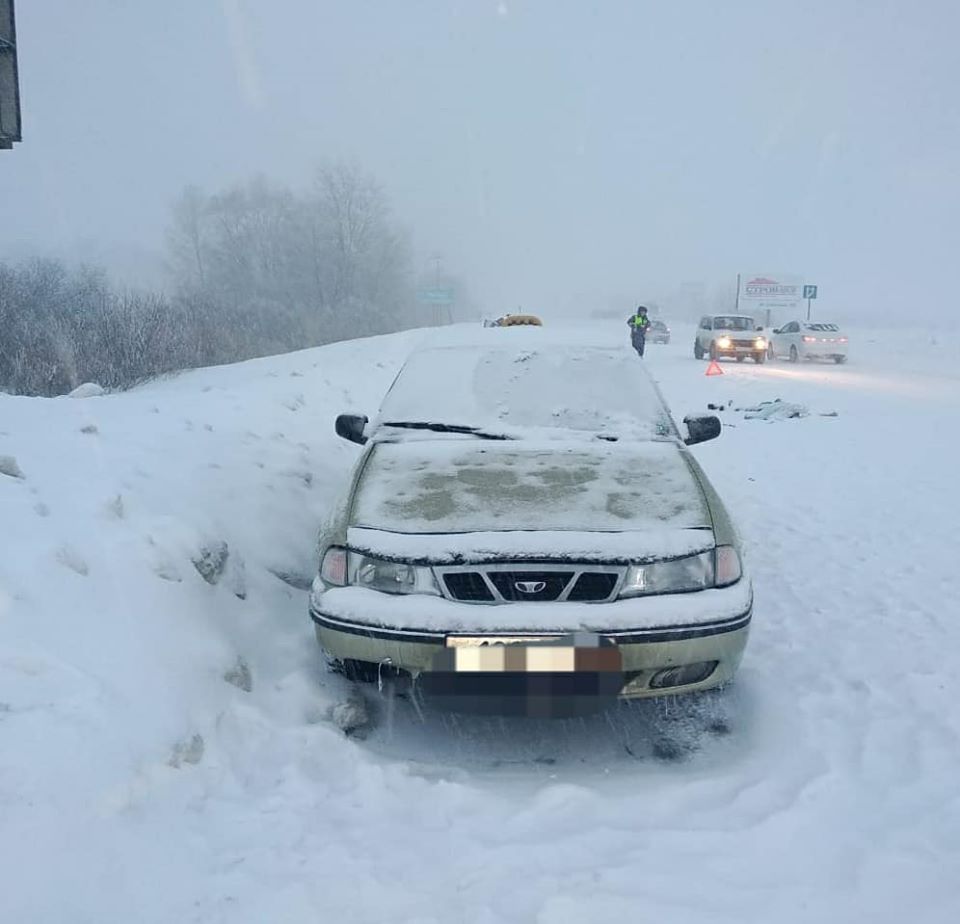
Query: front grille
744	344
592	586
523	583
469	586
530	586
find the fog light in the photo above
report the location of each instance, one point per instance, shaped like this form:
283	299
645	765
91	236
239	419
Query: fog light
682	675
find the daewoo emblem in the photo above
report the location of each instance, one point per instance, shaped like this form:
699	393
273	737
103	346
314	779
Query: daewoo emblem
530	587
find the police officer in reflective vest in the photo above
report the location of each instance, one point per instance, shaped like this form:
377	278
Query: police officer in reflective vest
639	322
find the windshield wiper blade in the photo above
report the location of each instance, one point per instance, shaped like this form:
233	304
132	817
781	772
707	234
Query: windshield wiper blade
445	428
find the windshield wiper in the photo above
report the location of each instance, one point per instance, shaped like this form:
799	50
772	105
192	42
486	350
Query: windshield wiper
445	428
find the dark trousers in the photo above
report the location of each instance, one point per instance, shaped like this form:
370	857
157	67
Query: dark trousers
639	341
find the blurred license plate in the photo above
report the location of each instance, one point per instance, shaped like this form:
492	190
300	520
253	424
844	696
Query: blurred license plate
529	654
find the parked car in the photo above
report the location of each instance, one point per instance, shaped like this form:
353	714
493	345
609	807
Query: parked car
798	340
733	335
658	332
527	529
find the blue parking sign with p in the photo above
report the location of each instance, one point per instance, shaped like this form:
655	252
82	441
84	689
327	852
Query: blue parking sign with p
809	291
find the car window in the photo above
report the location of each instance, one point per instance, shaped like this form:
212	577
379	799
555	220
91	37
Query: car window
530	392
723	322
705	323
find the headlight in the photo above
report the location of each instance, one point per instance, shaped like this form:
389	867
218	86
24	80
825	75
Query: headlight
717	568
341	568
391	577
723	343
760	343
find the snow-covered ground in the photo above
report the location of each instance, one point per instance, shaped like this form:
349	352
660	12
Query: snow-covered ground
166	746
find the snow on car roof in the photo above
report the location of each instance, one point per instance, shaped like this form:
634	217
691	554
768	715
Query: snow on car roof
529	387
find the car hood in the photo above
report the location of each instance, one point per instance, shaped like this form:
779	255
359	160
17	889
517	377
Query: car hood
459	486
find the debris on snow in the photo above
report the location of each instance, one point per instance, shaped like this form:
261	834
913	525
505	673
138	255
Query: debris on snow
90	428
9	467
41	509
774	410
239	675
88	390
211	561
189	751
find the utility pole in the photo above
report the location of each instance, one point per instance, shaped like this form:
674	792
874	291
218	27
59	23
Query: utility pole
736	309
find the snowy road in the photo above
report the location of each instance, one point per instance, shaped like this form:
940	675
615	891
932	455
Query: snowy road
137	784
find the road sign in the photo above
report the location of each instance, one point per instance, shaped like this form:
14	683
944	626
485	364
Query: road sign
436	295
809	291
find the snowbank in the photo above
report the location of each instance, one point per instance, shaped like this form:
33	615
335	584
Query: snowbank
171	750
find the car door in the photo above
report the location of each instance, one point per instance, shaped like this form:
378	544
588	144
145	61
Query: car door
704	332
787	337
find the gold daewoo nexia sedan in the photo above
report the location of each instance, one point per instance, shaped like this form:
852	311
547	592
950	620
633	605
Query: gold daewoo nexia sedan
527	530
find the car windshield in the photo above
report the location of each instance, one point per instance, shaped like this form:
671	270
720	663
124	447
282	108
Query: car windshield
526	391
724	322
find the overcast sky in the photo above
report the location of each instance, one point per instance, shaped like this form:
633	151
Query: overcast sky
552	151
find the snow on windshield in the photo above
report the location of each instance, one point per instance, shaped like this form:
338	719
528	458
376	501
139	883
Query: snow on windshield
515	389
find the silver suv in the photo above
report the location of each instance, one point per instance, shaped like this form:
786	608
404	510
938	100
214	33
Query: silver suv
729	335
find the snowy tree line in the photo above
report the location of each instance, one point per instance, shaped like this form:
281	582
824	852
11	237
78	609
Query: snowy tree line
255	269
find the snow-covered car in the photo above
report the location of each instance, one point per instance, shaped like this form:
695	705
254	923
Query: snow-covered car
733	335
658	332
527	517
798	340
519	320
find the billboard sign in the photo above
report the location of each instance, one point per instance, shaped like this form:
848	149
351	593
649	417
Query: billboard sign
770	292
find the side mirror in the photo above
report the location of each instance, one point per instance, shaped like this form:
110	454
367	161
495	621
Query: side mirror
702	428
759	329
350	427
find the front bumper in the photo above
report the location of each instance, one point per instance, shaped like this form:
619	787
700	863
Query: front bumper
741	350
644	652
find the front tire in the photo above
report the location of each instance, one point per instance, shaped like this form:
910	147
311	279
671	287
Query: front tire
770	353
759	358
794	355
697	350
839	359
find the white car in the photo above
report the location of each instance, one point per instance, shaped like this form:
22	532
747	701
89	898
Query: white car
735	335
798	340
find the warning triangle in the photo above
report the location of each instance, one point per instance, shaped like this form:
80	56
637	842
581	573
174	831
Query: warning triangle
714	368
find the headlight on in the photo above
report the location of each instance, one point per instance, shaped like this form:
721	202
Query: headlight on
760	343
719	567
723	343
